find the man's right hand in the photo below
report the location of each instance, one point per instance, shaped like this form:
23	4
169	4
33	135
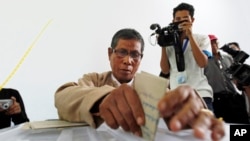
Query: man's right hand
122	107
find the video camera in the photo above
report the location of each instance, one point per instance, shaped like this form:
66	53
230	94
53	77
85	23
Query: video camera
169	35
238	70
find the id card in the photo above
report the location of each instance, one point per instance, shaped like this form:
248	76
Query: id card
181	77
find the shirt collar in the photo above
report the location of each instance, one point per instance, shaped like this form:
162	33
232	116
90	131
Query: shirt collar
118	83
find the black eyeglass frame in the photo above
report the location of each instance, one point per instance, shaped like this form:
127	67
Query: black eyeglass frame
123	53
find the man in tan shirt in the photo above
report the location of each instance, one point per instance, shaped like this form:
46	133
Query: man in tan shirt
109	97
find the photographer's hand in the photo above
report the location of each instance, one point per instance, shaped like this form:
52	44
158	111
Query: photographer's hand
15	108
187	28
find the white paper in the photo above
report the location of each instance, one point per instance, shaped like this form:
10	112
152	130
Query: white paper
51	124
150	89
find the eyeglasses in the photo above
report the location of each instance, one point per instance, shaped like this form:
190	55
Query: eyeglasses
123	53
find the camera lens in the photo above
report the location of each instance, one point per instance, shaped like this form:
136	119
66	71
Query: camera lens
5	106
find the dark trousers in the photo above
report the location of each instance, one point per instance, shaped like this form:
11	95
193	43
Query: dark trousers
231	107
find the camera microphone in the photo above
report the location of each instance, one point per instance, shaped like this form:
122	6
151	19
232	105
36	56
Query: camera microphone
156	27
153	26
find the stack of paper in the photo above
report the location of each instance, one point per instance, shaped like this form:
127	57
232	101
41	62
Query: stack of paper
51	124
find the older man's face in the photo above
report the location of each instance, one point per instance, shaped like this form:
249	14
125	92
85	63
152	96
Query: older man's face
125	59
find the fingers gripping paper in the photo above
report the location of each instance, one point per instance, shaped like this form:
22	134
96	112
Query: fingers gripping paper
150	89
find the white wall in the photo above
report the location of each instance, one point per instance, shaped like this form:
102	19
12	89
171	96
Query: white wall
76	41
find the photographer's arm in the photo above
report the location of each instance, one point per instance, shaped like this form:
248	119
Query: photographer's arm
200	58
17	110
164	61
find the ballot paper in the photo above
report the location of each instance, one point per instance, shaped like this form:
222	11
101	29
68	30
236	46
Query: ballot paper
51	124
150	89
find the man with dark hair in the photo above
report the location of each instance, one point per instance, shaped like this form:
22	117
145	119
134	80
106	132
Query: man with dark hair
195	50
110	96
184	6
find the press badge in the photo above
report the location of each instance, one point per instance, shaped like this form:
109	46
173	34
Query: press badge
181	77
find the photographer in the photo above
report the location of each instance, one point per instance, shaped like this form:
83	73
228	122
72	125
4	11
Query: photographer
191	51
16	112
228	103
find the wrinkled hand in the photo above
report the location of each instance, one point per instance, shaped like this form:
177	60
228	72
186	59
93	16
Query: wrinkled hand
14	108
122	107
206	121
183	108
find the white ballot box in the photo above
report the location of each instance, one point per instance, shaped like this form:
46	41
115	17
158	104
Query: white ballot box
103	133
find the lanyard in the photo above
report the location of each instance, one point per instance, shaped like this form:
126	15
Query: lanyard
184	47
